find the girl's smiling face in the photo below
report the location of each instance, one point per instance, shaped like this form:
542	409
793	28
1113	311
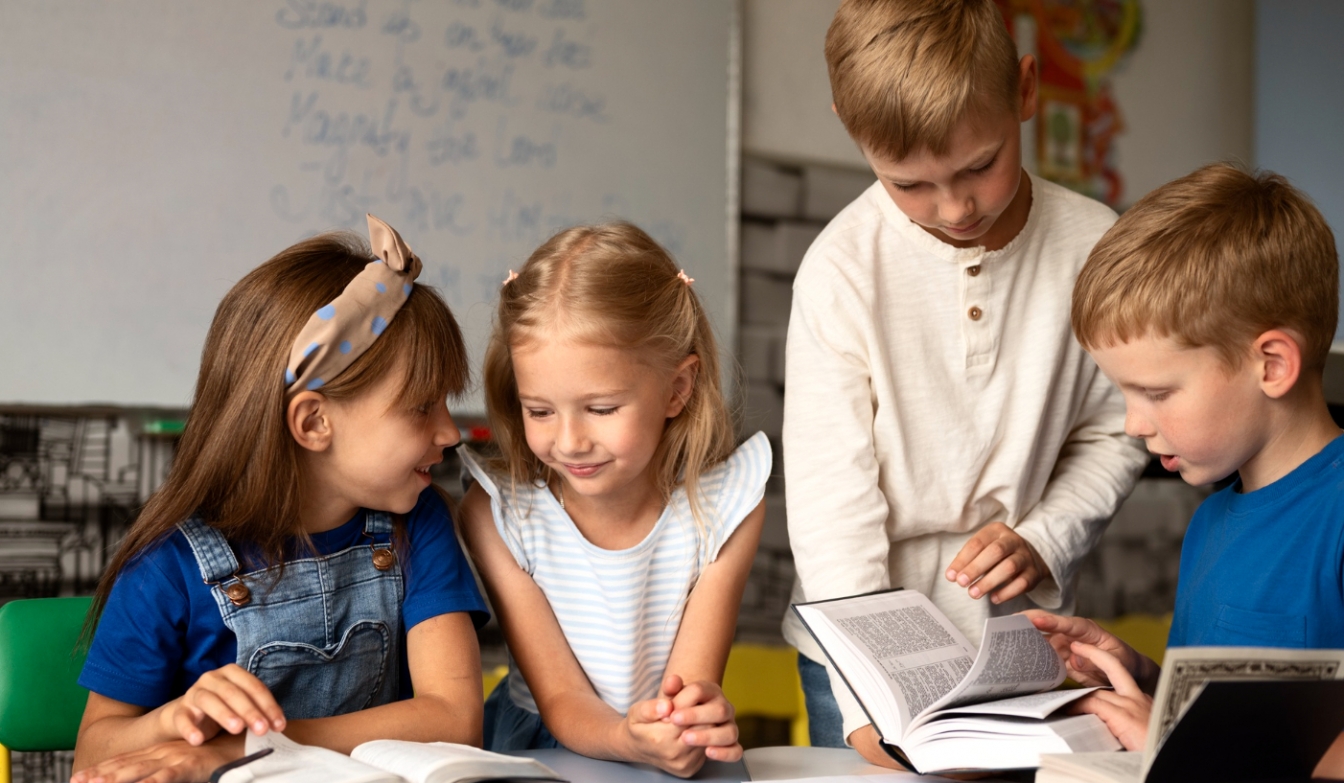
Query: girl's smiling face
595	415
376	451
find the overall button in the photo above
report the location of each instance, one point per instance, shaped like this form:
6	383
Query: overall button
975	313
383	559
238	594
973	270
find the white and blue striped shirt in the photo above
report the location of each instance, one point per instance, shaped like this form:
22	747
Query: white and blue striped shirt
620	609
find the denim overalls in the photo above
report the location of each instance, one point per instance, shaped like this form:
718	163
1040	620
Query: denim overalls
326	637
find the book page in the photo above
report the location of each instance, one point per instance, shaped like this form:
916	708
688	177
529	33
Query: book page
443	762
1033	705
1185	670
916	651
1122	767
1014	658
291	762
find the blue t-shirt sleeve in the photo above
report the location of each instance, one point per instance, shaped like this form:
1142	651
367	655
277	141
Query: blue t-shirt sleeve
438	578
139	646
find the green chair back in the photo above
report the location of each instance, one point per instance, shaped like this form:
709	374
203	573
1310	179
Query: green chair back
40	702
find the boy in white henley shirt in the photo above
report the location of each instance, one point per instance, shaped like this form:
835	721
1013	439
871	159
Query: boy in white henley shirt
943	431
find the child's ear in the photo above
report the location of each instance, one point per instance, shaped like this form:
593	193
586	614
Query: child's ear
1278	358
309	421
683	383
1026	87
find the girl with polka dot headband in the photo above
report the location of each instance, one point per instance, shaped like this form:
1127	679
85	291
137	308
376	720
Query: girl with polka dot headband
297	571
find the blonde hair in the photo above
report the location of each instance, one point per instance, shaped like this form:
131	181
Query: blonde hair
904	73
1214	258
611	285
237	466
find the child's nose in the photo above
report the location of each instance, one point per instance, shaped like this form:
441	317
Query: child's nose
446	432
572	438
1137	426
956	208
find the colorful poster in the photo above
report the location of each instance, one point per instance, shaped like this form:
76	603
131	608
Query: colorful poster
1077	44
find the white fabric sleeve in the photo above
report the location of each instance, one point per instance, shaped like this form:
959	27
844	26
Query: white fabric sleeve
738	485
837	515
500	509
1096	470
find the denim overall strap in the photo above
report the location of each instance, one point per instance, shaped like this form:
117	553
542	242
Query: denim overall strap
214	556
325	633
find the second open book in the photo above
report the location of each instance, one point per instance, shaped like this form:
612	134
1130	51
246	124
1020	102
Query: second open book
380	761
940	703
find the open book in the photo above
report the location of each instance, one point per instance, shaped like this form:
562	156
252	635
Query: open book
939	703
1280	723
381	761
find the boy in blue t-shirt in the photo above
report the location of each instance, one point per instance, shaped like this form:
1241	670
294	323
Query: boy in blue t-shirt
1212	304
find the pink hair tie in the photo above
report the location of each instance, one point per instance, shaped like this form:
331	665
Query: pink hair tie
512	276
685	278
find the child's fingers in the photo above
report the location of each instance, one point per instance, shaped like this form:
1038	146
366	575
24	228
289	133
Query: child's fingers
1125	717
259	695
691	694
649	710
1018	585
1115	671
999	575
237	701
187	724
714	711
700	692
969	551
672	685
710	736
731	752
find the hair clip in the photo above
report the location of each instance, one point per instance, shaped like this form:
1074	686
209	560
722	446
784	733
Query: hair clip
685	278
512	276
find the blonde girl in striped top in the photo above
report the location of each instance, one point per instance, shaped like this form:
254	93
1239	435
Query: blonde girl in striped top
615	531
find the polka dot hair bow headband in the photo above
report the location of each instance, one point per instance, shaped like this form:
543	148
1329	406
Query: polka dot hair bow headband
339	333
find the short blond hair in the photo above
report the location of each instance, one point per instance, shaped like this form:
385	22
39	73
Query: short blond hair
1215	258
904	73
611	285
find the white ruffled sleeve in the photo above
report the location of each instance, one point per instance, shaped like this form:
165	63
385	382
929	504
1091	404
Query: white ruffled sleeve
501	507
732	489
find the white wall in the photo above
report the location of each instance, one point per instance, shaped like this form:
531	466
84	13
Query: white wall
1185	92
1300	100
786	94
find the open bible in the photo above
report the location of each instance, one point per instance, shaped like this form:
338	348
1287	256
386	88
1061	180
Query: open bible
938	703
380	761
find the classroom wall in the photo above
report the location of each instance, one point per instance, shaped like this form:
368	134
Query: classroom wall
1300	99
1192	73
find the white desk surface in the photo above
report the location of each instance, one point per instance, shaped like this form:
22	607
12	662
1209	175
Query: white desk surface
777	763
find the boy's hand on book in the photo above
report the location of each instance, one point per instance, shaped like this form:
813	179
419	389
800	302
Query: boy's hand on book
1125	710
706	716
229	698
168	762
1064	632
999	563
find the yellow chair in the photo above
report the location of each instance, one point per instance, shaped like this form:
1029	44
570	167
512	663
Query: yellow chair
763	680
491	678
40	702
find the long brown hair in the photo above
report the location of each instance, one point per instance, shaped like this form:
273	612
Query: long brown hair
611	285
237	465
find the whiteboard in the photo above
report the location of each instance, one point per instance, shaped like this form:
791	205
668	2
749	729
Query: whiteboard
152	152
